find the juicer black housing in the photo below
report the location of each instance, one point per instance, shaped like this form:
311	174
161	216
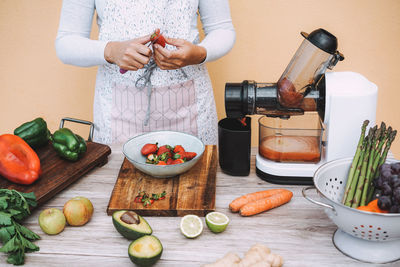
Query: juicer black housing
246	98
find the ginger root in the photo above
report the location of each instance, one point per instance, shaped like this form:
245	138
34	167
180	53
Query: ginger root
275	260
257	256
261	248
261	264
261	254
230	259
251	257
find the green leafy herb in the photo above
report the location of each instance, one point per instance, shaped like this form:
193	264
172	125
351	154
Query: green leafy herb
158	196
16	238
147	202
143	197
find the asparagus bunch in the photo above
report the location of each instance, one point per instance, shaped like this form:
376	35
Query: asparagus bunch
371	153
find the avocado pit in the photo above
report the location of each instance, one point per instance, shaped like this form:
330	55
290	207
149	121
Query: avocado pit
130	217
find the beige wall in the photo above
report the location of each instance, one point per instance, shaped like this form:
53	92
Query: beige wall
33	82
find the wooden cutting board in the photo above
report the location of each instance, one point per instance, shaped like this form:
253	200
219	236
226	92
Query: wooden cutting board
192	192
58	173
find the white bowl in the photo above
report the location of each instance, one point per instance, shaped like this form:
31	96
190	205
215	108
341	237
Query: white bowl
132	148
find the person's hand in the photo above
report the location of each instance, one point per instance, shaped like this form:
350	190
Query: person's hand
129	55
185	54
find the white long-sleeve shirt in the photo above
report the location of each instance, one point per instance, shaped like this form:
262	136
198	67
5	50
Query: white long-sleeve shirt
74	46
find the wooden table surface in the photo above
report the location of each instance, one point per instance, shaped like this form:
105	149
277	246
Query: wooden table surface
299	231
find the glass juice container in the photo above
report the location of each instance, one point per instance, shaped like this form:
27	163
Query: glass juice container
297	139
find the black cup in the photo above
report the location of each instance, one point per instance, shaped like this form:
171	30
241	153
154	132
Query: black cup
234	140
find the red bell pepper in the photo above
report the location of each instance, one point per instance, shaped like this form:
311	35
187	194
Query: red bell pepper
19	163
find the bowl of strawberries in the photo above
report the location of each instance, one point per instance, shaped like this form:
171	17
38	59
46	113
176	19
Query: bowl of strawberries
163	154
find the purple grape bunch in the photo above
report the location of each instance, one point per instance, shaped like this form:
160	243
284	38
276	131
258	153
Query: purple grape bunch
387	186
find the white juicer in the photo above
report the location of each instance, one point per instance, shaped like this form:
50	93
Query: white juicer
338	101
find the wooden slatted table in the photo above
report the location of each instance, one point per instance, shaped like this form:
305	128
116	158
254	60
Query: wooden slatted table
299	230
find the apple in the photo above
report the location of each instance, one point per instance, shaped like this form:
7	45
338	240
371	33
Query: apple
87	203
76	212
52	221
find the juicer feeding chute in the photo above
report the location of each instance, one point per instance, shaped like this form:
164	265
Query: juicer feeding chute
300	88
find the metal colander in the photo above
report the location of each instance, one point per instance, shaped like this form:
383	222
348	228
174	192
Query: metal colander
376	228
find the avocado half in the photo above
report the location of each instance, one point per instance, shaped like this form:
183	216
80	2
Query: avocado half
130	225
145	251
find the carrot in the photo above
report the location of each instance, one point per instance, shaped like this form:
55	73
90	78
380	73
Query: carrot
267	203
372	207
364	208
243	200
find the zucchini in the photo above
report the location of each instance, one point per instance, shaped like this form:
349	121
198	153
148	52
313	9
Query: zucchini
130	225
145	251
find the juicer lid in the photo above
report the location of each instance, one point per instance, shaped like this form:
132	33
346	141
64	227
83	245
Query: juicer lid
322	39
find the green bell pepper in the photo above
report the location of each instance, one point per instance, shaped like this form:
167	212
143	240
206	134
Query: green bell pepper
68	145
35	132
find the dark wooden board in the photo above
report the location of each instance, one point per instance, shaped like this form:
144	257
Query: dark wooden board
58	173
192	192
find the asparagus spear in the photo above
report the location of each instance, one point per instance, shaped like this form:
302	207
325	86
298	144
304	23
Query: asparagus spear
375	159
377	136
387	147
368	177
361	180
350	195
378	151
380	159
375	139
382	142
379	139
353	167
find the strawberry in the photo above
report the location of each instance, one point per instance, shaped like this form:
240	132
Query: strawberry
178	148
160	38
190	155
155	34
164	156
149	149
161	41
178	161
179	155
163	149
152	158
161	163
169	161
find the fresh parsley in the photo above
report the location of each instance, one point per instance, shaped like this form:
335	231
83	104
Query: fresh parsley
16	238
143	197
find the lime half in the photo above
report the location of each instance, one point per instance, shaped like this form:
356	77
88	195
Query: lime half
191	226
217	221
